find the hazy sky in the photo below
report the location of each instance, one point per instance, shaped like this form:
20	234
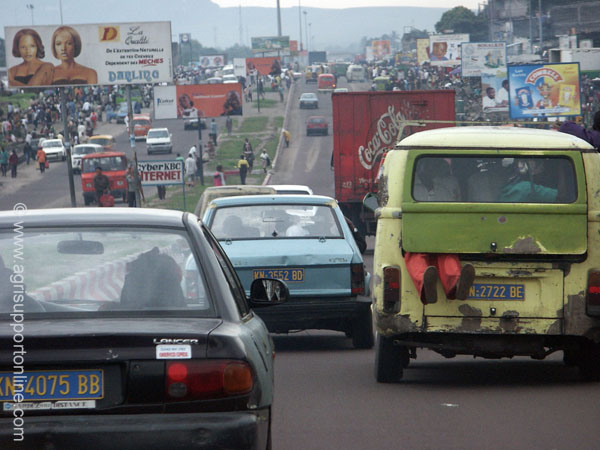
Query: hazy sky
471	4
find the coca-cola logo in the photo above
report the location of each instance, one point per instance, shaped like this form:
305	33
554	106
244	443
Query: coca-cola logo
389	126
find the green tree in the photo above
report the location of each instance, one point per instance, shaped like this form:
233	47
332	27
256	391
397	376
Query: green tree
238	51
463	20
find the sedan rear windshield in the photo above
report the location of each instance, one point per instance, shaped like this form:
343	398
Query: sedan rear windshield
275	222
158	134
142	122
100	271
52	144
106	164
494	179
85	150
102	141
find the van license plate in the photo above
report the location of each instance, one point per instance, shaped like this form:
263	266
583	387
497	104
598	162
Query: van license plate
490	291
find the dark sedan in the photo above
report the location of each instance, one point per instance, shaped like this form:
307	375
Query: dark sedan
317	125
138	334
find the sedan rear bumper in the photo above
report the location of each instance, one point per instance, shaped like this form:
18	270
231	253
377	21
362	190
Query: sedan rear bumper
334	313
232	430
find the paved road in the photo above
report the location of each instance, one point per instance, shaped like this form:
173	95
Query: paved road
327	397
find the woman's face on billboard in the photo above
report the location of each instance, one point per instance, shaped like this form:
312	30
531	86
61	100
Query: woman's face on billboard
64	46
27	47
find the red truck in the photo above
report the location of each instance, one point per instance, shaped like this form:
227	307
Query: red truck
368	124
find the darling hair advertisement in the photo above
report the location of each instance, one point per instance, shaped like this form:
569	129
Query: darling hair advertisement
67	55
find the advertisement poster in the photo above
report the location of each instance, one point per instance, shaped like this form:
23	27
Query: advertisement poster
197	100
444	49
264	66
211	61
479	56
544	90
108	53
239	67
270	44
494	91
381	49
160	173
422	50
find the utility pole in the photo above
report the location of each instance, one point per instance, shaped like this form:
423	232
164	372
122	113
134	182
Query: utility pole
490	12
306	27
241	29
60	8
30	7
278	19
530	26
540	15
300	23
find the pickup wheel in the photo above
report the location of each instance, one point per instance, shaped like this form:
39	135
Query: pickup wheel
389	360
589	362
87	200
362	330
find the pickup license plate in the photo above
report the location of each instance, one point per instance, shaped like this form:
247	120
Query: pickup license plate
53	385
291	275
491	291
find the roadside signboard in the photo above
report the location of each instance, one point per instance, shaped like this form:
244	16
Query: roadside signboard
494	91
550	90
422	50
211	61
264	66
161	173
264	44
444	49
381	49
197	100
106	53
480	56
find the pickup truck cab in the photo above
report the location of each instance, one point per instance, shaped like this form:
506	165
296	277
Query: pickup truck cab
114	166
159	140
521	206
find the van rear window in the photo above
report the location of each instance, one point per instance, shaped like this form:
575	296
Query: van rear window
483	179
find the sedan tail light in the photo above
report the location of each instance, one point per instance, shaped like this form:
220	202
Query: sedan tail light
358	279
195	380
593	294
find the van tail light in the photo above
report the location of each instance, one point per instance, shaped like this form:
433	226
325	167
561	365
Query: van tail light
593	294
392	282
358	279
197	380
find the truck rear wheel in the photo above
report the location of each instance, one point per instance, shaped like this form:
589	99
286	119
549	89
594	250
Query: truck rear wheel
589	363
389	360
362	330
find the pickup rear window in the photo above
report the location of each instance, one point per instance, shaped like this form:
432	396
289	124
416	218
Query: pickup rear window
494	179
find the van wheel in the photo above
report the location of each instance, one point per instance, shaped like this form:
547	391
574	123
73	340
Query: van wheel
589	364
362	330
389	360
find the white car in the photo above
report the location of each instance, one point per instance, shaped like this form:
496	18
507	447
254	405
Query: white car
55	148
159	140
79	151
229	79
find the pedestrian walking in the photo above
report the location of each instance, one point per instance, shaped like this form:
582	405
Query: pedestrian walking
13	162
286	137
249	153
281	91
265	159
229	125
162	191
41	158
213	131
101	185
27	151
243	166
219	177
4	161
131	187
190	169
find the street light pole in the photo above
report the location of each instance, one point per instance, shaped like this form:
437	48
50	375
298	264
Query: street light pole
300	23
278	19
30	7
310	36
60	7
306	27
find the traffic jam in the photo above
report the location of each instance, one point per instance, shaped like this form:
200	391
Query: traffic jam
285	245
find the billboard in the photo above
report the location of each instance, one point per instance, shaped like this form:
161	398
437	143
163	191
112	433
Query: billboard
422	50
197	100
108	53
494	90
444	49
381	49
239	67
550	90
211	61
264	66
160	173
271	44
480	56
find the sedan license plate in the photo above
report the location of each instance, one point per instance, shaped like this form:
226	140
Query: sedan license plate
53	385
492	291
291	275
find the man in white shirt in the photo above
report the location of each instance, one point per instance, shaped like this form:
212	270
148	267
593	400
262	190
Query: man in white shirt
489	101
190	169
193	152
502	96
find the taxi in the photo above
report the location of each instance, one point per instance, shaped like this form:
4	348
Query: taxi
518	205
105	140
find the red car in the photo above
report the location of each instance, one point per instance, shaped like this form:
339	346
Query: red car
317	125
141	124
